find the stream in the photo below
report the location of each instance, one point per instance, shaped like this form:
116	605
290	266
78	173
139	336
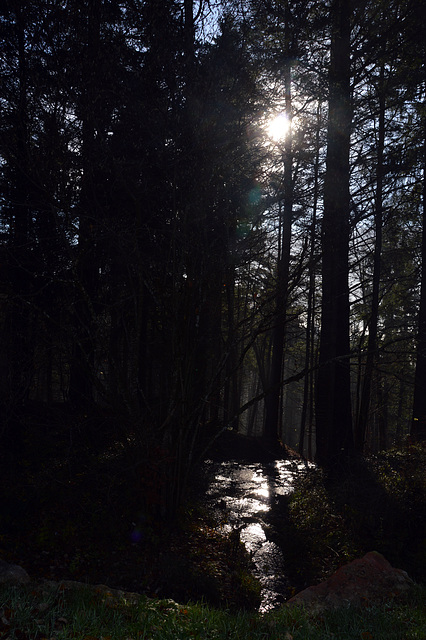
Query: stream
245	494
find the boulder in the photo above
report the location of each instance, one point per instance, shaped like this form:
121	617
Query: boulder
12	574
363	582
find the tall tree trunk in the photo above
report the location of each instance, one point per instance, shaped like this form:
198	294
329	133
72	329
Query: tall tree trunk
382	411
399	415
309	347
189	31
363	415
231	396
86	271
273	400
17	346
334	439
418	425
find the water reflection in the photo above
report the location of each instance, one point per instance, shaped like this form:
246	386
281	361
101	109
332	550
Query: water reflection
263	491
247	492
252	535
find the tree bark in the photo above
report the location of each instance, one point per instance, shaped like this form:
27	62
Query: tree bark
334	439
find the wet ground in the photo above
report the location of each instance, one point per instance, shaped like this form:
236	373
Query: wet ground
243	497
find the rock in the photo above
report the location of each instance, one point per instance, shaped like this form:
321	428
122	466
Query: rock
12	574
363	582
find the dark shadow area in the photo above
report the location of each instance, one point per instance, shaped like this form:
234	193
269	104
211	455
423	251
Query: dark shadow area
79	501
377	504
382	502
231	445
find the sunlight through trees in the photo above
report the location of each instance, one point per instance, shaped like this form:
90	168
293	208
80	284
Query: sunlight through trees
211	218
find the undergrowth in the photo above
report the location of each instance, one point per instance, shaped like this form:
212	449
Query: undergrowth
379	504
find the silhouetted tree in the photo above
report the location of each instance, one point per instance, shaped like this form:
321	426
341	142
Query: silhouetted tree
334	438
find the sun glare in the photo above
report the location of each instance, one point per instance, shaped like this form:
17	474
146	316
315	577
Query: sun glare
278	127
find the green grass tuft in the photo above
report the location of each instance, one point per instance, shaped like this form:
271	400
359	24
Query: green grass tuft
46	611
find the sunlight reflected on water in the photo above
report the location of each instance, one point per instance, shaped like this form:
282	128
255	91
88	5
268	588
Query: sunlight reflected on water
252	536
247	493
263	491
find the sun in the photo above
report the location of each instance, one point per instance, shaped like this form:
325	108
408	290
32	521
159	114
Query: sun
278	127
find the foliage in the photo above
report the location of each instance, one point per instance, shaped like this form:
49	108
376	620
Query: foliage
63	612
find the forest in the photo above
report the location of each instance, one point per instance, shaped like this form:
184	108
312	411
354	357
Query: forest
211	224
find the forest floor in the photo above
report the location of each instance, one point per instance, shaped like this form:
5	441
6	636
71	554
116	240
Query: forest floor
70	511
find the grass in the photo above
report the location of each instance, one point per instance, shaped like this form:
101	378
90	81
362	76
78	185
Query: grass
47	611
